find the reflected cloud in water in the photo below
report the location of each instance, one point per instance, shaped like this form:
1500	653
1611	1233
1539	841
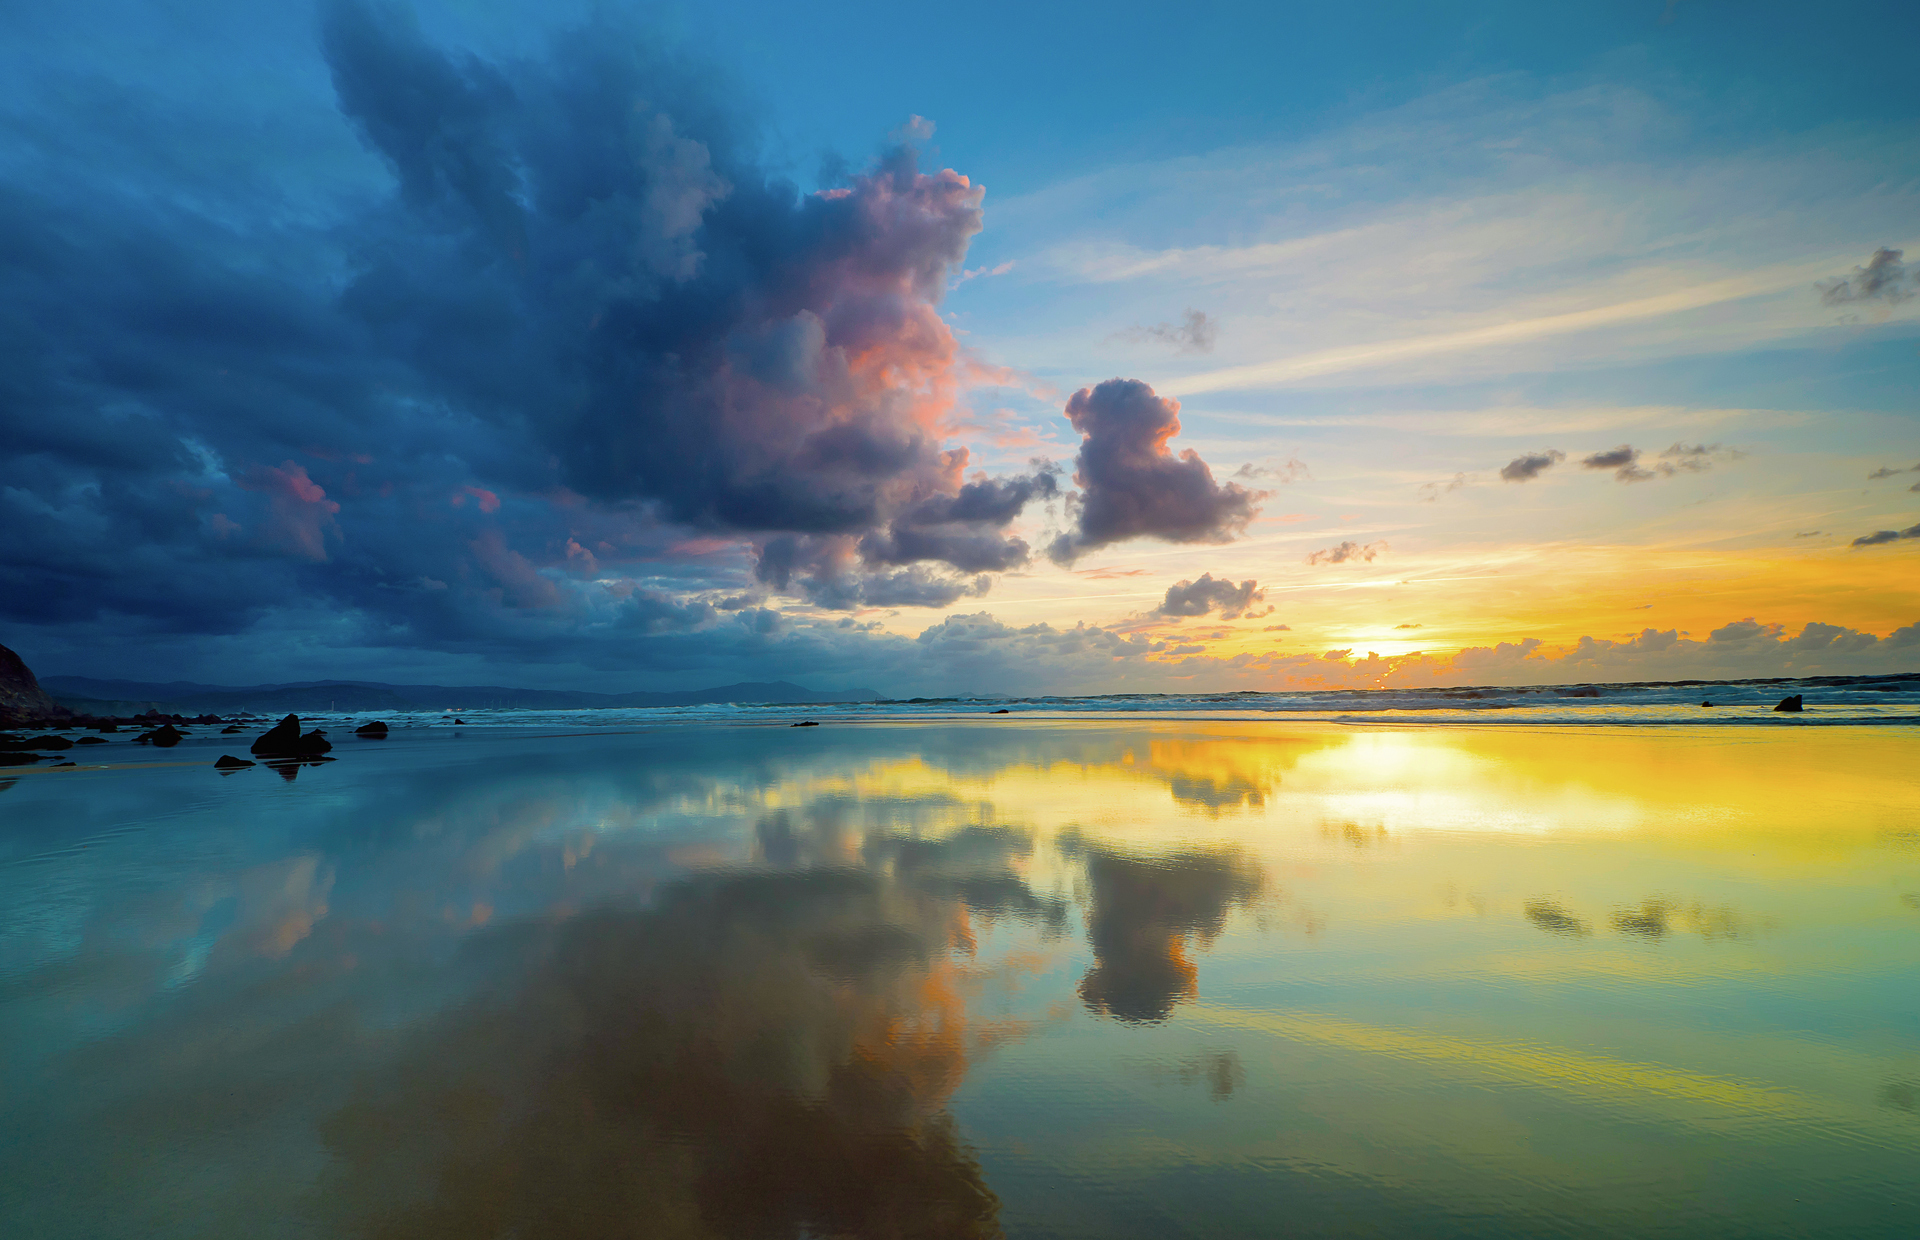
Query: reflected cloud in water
1553	919
1145	912
760	1054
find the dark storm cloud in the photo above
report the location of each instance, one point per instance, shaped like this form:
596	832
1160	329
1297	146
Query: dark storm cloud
1197	598
1133	486
1886	536
554	348
1527	468
1194	333
1884	278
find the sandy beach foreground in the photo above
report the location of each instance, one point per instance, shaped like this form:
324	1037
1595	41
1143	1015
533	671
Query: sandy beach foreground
1104	977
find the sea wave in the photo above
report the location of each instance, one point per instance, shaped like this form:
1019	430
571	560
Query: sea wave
1828	700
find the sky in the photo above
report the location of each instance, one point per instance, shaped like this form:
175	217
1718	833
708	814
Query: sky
614	346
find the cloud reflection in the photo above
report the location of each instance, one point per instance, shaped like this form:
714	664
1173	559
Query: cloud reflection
1142	914
760	1054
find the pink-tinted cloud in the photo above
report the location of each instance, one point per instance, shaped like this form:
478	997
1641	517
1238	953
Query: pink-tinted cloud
299	514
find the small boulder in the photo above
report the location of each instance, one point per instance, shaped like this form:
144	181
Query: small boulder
1002	711
228	762
1791	703
166	736
1706	703
50	742
373	731
230	729
91	740
805	723
10	758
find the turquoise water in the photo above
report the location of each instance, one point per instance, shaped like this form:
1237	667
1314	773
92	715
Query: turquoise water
1033	977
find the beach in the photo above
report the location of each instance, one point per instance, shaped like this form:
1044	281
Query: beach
1034	975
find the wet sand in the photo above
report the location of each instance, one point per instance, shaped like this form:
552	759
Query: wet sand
1035	978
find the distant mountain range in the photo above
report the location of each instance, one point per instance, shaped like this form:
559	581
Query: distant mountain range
103	697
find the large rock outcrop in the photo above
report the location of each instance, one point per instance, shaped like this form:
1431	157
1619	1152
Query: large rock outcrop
22	700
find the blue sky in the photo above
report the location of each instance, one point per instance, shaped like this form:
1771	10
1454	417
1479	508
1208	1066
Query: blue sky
281	407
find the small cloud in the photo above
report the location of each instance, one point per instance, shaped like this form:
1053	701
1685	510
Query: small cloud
1886	536
1532	465
1695	458
1278	628
1624	461
1808	534
1194	333
915	128
1743	630
1348	551
1432	491
1197	598
1409	626
1629	465
1885	278
979	272
1293	469
1887	471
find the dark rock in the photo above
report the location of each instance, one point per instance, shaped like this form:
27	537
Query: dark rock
1002	711
230	730
107	727
22	700
1706	703
91	740
1793	703
228	762
374	731
56	766
18	759
805	723
459	720
166	736
283	740
49	742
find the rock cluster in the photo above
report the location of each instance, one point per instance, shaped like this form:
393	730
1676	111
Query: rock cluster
284	740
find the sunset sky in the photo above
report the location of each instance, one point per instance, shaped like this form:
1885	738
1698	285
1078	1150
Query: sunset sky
1016	349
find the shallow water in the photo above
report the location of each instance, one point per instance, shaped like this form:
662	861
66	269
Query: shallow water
1108	977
